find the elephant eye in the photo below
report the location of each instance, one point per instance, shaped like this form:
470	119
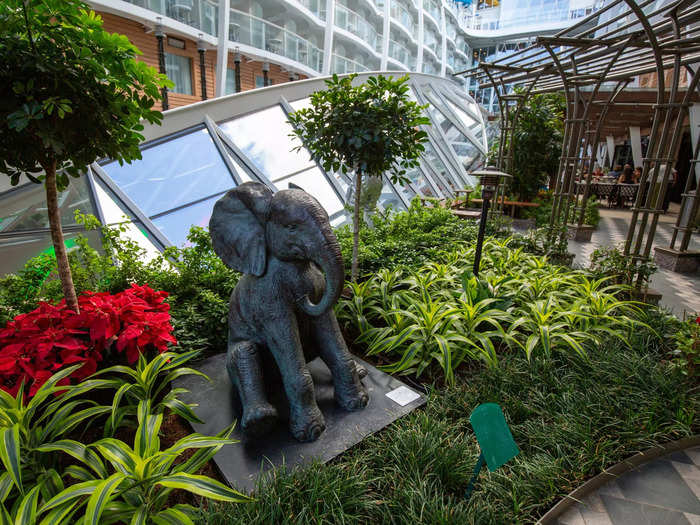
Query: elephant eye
292	227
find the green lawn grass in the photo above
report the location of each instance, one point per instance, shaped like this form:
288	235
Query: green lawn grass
571	419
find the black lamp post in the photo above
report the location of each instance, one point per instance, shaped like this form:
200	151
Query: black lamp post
490	177
160	36
202	49
266	70
237	63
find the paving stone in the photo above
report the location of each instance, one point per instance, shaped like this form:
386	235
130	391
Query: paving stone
694	454
659	483
571	517
694	519
687	472
625	512
611	489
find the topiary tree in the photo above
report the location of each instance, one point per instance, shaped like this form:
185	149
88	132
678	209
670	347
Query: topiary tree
70	92
370	129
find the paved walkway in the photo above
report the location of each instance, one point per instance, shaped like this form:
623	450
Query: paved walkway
680	292
665	491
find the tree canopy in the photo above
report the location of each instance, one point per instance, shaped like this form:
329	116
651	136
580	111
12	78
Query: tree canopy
70	91
370	129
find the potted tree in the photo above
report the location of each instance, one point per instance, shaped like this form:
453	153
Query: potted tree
70	92
370	130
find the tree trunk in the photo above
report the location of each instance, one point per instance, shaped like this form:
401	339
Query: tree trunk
356	227
59	246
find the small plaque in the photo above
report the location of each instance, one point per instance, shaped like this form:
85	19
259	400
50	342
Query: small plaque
402	395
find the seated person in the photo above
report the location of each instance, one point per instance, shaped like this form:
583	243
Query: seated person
615	172
626	177
637	174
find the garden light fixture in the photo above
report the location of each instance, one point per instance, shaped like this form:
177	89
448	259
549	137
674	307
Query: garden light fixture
490	178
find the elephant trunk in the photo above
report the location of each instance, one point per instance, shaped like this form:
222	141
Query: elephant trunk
330	260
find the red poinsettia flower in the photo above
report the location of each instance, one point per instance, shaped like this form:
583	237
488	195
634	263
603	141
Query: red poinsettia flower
35	345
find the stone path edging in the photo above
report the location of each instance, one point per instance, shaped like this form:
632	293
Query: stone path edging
614	472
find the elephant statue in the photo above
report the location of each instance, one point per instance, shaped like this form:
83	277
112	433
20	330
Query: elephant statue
281	311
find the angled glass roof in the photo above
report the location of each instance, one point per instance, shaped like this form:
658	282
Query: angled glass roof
201	151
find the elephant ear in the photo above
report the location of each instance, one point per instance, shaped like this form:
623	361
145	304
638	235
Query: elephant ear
237	227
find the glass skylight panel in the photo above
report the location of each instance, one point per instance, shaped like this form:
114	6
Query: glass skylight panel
302	103
17	250
432	159
176	225
389	198
264	137
313	182
114	212
420	182
173	173
25	208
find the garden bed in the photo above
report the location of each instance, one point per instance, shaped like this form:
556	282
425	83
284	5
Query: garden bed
574	409
571	420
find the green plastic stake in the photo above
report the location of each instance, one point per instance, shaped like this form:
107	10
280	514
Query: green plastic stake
495	440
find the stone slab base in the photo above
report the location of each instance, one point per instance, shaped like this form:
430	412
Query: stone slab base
580	233
677	261
243	463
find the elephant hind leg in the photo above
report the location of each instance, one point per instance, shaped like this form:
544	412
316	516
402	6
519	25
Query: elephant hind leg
244	367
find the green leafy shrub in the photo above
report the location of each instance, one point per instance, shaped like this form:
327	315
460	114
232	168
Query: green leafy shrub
442	315
571	418
687	345
145	388
51	477
409	238
198	282
610	261
542	213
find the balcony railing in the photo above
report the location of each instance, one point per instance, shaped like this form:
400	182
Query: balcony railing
256	32
493	17
400	13
342	65
430	68
432	7
431	41
451	31
317	7
200	14
354	23
401	53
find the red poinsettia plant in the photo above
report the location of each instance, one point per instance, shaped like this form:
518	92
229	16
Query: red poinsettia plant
35	345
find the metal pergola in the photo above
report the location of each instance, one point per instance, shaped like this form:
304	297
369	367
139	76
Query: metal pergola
592	62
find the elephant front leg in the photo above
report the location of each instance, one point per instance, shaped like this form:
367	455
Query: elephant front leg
350	393
244	367
305	419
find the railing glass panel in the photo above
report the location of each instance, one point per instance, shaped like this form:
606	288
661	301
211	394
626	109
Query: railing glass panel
432	7
317	7
401	14
342	65
401	53
200	14
355	24
253	31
